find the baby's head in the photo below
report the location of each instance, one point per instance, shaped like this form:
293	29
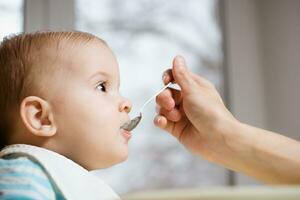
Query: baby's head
60	91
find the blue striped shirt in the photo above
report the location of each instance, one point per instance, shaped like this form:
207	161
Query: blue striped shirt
23	178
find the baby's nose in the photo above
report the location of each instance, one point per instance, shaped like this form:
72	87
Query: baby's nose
125	105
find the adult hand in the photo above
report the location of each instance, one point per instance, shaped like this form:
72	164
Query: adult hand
198	118
195	114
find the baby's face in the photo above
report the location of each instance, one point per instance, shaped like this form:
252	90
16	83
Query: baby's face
88	108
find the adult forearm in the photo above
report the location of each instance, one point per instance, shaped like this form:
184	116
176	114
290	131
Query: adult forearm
265	155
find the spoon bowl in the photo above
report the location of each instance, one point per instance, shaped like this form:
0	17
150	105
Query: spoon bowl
128	126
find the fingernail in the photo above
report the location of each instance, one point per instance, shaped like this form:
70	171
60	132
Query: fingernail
157	119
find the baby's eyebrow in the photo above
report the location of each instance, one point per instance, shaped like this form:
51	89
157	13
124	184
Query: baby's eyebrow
104	75
101	73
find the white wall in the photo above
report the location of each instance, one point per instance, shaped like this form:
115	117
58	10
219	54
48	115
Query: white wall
280	29
263	53
244	65
244	62
48	14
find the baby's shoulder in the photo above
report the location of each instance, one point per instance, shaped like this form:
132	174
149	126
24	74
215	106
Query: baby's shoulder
23	177
20	166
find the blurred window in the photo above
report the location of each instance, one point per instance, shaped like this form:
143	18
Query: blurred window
11	17
145	35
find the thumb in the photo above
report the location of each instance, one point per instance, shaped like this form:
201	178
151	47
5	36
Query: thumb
182	75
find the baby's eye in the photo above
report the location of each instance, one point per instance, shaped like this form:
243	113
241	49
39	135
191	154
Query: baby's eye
101	86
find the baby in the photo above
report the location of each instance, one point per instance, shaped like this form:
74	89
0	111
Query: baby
61	113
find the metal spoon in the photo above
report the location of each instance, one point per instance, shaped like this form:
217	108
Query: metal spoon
128	126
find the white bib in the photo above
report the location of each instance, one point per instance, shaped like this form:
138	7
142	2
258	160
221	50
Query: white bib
73	181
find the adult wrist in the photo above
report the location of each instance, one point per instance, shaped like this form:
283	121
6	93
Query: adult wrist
237	145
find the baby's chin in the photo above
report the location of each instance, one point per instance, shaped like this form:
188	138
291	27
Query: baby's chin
95	164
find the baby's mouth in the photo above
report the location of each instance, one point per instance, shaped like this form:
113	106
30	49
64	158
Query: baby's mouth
126	134
124	130
130	125
125	126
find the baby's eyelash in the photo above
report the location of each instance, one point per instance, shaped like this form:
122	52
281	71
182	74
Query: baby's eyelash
101	86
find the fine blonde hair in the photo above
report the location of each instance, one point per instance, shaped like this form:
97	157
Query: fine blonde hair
18	56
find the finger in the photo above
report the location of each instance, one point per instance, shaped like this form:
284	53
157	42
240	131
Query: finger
157	109
176	95
173	115
202	81
169	98
167	76
182	75
165	100
163	123
174	128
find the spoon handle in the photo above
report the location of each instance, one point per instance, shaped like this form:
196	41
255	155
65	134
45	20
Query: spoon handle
150	99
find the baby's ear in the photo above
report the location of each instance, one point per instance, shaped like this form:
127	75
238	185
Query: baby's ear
37	116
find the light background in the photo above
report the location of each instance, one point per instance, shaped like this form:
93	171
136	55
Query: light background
260	68
145	36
